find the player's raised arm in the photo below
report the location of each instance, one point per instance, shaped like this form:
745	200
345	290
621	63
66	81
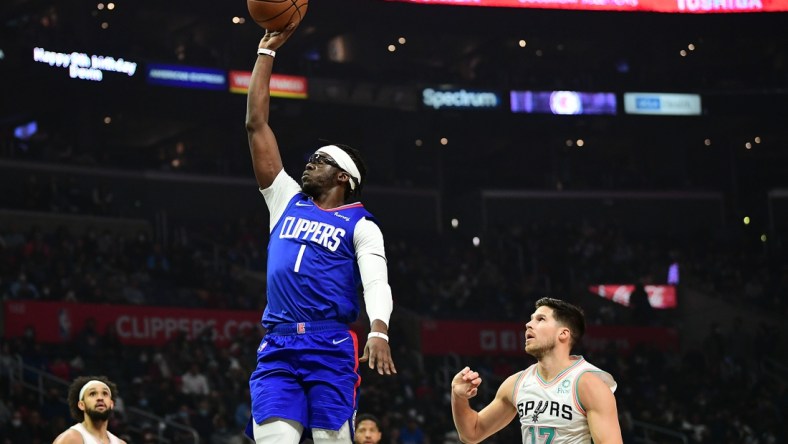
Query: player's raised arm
266	160
473	426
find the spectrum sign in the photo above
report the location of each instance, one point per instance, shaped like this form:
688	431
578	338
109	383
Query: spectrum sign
460	99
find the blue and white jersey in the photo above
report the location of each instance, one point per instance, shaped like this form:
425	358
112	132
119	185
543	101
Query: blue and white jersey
312	270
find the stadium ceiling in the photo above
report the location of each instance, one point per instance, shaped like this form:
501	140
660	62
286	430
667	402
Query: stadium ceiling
483	47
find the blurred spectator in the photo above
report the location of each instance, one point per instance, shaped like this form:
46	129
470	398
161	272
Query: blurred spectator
194	381
23	289
642	311
368	430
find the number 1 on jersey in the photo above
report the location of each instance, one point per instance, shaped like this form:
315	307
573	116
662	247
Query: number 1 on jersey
298	259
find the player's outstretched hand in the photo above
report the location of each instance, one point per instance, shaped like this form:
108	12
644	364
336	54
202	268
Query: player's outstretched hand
378	353
466	383
273	40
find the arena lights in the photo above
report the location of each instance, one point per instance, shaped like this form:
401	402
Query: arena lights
476	241
707	142
455	223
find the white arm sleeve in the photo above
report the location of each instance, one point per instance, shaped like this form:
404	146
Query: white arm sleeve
278	195
371	257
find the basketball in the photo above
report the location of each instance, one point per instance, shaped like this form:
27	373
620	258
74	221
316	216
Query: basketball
274	15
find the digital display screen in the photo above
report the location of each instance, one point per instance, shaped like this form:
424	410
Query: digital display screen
673	6
186	76
563	102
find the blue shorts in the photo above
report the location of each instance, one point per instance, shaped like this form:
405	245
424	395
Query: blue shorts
307	372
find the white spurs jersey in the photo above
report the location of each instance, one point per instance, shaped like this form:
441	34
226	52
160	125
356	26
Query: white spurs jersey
87	438
549	411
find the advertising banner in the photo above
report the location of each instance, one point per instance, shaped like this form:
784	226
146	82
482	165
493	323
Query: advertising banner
659	296
563	102
460	99
672	6
186	77
662	104
468	338
80	65
57	322
292	87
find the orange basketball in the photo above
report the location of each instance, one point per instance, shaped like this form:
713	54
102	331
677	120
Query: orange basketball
274	15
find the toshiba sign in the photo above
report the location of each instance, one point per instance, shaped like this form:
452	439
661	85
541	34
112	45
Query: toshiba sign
293	87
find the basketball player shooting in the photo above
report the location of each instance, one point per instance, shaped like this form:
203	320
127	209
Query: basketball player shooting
323	243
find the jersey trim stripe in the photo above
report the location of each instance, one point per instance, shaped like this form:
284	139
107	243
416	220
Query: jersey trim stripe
520	380
558	377
342	207
355	368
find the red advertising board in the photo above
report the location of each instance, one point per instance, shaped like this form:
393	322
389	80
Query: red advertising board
293	87
659	296
670	6
56	322
468	338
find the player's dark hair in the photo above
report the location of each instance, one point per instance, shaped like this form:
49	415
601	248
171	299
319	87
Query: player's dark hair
362	169
568	315
76	386
367	417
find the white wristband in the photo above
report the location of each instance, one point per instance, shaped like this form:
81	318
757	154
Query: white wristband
266	51
377	334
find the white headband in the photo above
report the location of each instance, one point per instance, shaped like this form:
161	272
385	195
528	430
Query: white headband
343	160
84	387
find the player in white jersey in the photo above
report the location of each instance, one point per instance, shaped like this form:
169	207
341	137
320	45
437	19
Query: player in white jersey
91	401
562	399
324	244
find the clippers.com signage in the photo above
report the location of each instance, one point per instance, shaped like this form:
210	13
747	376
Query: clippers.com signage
292	87
674	6
468	338
56	322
